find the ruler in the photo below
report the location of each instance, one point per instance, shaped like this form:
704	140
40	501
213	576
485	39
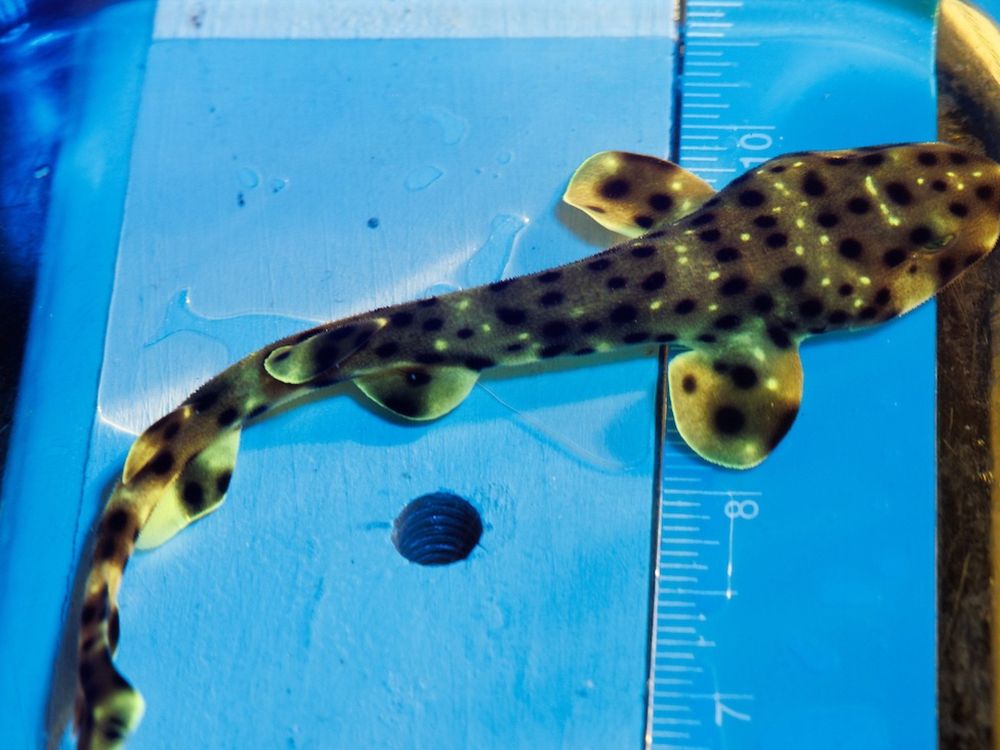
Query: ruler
742	653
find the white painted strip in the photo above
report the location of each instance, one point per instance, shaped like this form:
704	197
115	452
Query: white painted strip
389	19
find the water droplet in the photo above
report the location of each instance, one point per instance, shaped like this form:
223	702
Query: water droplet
373	222
248	178
453	127
422	178
490	262
276	184
42	171
505	157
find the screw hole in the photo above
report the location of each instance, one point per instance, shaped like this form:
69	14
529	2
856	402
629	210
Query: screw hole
437	529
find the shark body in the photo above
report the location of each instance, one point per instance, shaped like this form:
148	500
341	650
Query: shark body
804	244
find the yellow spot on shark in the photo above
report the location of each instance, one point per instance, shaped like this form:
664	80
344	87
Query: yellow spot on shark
713	307
464	304
865	280
523	336
799	250
825	281
486	328
440	345
745	237
714	275
771	384
654	306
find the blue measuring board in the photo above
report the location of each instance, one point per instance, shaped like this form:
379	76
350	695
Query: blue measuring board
795	603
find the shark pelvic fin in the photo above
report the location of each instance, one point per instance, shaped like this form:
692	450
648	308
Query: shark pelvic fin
322	352
419	392
733	407
199	489
632	193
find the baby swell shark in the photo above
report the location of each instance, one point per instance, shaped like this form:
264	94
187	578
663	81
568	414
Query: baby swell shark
804	244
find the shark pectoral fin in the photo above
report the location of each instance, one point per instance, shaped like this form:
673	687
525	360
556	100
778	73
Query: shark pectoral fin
630	193
419	392
733	408
320	352
199	489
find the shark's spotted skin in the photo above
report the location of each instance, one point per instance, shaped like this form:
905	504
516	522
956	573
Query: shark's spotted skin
804	244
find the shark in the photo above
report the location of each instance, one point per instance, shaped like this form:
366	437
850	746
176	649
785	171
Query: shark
805	244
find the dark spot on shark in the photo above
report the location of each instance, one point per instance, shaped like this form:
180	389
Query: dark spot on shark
828	219
763	303
685	306
478	363
702	219
601	264
162	462
433	324
643	251
733	286
512	316
549	277
837	317
689	383
873	160
813	185
811	307
635	338
641	220
193	497
751	198
850	248
623	314
551	299
921	235
729	420
727	254
793	276
776	240
743	376
417	378
616	282
899	194
765	221
709	235
401	319
615	188
779	337
654	281
894	257
927	158
958	209
227	416
859	205
660	202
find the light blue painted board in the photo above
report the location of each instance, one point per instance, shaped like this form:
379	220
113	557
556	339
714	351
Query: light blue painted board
256	168
821	634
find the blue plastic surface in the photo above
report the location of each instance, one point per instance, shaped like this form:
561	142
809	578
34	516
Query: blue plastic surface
273	182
